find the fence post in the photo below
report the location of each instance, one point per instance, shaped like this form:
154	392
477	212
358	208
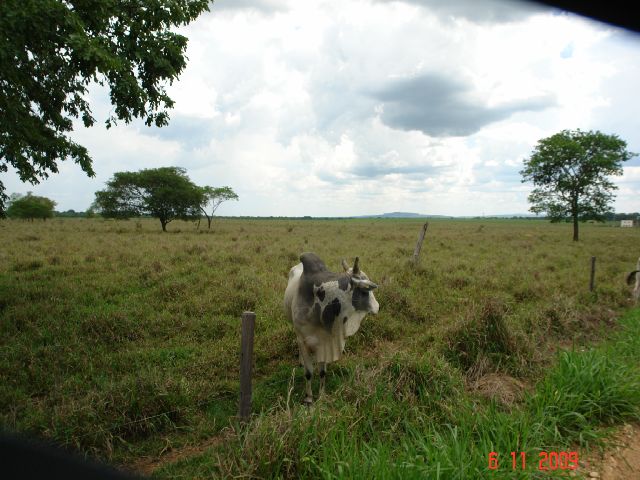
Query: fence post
416	252
593	274
246	361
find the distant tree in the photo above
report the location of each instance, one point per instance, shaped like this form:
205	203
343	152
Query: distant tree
165	193
52	50
30	207
70	214
616	217
570	172
212	198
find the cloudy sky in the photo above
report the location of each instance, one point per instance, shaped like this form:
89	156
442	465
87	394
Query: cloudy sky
351	107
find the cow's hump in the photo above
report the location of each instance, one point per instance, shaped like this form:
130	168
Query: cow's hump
312	264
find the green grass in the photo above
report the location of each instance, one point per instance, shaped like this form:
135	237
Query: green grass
121	340
410	418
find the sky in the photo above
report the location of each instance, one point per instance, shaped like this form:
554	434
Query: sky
355	107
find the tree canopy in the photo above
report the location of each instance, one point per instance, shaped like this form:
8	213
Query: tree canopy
30	207
213	197
52	50
165	193
570	172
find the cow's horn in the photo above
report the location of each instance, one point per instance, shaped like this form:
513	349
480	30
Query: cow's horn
345	265
356	269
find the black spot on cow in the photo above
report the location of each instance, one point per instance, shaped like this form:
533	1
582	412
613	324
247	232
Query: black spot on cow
343	282
360	300
321	294
331	311
344	320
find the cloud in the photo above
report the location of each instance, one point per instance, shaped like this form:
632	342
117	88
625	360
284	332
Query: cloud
440	106
483	12
381	169
190	132
262	6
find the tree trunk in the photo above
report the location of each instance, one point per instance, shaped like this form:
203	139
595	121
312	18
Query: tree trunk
163	222
574	215
209	220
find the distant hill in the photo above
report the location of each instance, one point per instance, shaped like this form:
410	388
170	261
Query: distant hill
402	215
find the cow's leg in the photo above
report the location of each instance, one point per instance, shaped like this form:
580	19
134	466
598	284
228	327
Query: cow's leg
323	374
308	370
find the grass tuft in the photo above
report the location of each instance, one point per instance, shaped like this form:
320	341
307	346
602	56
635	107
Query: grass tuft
27	265
483	342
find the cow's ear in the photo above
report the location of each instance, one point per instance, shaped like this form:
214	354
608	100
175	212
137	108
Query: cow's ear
345	265
363	284
356	267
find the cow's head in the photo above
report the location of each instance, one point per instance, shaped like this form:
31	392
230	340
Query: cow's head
362	299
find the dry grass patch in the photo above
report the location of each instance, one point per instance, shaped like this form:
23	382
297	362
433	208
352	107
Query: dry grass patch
504	389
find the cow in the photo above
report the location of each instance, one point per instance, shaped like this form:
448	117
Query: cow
325	308
636	289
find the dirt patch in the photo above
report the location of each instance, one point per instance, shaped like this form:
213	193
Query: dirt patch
501	388
147	465
621	461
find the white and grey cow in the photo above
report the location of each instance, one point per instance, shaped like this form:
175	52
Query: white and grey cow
325	308
635	294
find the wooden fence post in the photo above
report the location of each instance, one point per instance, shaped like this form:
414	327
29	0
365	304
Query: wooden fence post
246	361
416	252
593	274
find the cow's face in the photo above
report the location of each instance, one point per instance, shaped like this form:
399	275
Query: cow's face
362	299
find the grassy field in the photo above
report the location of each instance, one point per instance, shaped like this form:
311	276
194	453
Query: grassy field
123	342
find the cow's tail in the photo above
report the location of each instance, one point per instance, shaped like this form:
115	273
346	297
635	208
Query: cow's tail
632	276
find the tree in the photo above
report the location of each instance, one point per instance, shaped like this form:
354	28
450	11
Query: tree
213	198
30	207
52	50
165	193
570	172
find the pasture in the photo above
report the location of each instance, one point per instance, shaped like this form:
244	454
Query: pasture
123	341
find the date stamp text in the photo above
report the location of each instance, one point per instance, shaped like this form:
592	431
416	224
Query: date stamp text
546	461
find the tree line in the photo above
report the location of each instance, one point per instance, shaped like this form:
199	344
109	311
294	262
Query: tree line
164	193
